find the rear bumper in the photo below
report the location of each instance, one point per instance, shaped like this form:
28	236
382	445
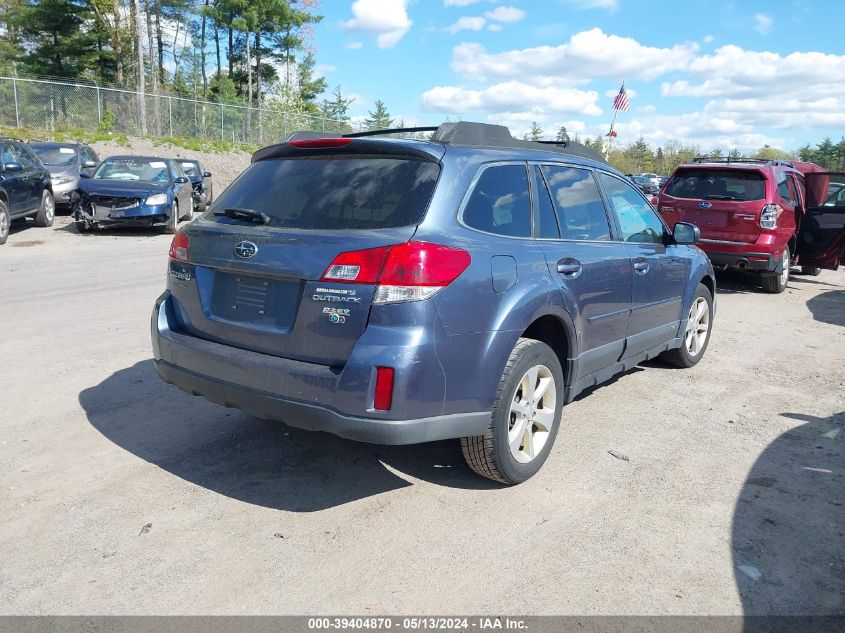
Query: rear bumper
290	391
761	262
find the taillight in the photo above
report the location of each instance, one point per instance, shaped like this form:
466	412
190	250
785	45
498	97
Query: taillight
769	216
359	267
320	143
383	398
410	271
179	247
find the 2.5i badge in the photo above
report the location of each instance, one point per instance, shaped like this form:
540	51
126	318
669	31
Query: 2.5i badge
337	315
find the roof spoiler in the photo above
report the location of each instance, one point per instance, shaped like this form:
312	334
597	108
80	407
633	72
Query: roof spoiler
469	134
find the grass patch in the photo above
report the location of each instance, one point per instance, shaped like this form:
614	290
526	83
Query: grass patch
81	135
210	146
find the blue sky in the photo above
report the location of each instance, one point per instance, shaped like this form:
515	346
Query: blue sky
726	74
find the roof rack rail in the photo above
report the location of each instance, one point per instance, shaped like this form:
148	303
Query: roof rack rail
395	130
728	160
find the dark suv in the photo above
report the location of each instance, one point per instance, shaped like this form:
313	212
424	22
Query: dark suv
403	291
759	216
25	187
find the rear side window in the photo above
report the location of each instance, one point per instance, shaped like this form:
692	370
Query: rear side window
786	191
717	184
333	192
578	202
500	202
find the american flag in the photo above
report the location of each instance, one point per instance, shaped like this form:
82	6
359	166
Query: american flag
621	100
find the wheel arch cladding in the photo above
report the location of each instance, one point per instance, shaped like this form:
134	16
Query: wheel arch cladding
710	283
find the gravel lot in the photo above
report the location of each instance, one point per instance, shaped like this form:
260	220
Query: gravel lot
121	495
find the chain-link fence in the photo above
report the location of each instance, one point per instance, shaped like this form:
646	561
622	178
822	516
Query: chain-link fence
52	105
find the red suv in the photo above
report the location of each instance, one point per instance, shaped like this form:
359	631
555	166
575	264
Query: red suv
761	216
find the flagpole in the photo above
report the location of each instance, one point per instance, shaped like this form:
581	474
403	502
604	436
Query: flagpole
612	123
610	136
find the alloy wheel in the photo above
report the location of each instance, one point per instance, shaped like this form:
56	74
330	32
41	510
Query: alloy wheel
698	325
532	413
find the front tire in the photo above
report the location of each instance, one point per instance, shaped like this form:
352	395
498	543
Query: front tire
5	222
697	333
47	211
525	418
776	284
172	220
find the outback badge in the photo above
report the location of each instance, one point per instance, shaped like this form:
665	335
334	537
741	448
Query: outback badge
245	249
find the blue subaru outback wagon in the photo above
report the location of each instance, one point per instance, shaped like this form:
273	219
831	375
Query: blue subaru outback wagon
402	291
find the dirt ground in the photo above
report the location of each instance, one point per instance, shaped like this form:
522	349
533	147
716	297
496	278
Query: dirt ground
121	495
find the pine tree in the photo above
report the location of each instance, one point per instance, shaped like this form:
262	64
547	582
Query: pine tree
535	133
378	119
562	135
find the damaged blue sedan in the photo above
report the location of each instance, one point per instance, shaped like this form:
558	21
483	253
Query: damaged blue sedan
135	191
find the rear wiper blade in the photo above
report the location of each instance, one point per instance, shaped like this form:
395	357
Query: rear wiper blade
245	214
718	197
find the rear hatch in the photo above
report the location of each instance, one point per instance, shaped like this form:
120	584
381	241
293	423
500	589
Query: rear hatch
255	283
724	203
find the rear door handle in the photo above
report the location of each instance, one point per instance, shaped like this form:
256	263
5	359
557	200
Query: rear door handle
569	267
641	266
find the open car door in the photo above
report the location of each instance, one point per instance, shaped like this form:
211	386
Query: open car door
821	236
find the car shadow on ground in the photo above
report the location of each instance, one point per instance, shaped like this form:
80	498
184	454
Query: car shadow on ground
257	461
789	523
828	307
128	231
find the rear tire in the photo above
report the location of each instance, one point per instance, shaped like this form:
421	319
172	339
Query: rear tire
697	333
776	284
47	211
172	220
5	222
812	271
525	418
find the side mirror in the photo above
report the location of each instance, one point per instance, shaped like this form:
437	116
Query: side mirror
181	180
686	233
207	174
84	174
89	164
12	167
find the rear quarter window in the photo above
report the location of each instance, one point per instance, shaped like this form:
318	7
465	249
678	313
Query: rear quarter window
333	192
717	184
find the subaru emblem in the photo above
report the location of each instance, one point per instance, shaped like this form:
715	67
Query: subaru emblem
703	205
246	249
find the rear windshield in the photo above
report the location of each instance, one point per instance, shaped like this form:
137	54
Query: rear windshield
717	184
333	192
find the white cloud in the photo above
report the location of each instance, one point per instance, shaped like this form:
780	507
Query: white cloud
467	24
708	38
387	19
459	3
511	96
494	27
610	5
354	46
611	94
509	15
586	55
763	23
